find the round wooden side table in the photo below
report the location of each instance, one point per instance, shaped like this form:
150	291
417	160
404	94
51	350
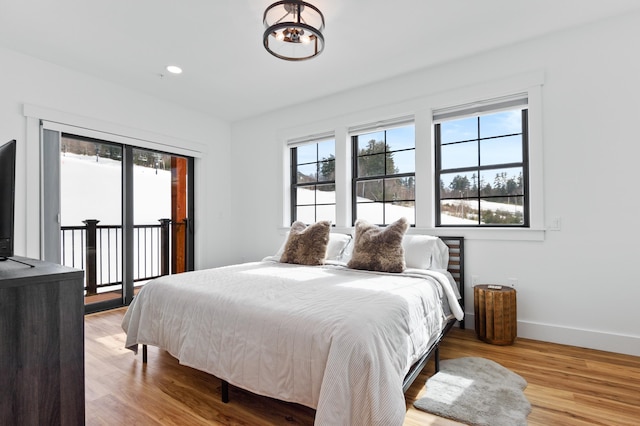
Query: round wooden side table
495	311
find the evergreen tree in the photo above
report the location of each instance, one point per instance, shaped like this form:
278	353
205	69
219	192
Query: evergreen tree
460	184
328	168
372	158
371	162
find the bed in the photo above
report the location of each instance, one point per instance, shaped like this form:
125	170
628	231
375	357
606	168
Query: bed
347	342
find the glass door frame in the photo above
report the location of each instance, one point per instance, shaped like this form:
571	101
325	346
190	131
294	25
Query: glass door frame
50	202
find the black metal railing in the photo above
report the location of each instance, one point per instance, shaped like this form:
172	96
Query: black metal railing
97	249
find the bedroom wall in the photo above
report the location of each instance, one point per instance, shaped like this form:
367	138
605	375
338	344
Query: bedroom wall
106	106
578	285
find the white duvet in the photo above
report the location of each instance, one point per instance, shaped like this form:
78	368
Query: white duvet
331	338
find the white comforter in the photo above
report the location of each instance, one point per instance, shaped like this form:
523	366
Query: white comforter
330	338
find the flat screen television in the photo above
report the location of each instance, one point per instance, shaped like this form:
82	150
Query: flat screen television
7	197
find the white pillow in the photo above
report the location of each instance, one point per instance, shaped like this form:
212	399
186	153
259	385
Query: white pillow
278	254
337	244
347	252
425	252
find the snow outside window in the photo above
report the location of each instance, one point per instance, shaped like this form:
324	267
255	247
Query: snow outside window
482	167
384	167
313	181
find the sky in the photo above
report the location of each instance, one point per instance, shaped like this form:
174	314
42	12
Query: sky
455	152
91	189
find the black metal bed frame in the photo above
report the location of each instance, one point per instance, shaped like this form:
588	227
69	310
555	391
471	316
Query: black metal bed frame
456	268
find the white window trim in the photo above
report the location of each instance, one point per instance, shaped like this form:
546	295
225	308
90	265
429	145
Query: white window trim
294	143
98	129
90	127
379	126
422	109
529	84
289	138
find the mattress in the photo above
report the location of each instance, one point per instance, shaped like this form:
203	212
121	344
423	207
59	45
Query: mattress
328	337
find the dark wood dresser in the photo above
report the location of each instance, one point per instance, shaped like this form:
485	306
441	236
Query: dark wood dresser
41	344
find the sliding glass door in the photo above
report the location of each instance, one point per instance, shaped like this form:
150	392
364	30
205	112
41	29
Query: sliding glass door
160	214
124	214
91	214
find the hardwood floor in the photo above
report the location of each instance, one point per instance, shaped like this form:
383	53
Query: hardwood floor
109	295
567	385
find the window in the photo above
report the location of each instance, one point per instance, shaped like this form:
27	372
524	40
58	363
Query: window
313	185
470	158
482	167
383	182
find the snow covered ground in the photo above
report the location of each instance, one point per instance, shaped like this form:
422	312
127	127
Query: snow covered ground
373	211
92	190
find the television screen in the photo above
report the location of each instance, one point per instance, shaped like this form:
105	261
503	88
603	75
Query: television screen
7	197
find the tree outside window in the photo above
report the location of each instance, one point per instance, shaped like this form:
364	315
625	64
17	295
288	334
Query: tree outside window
482	170
313	189
384	175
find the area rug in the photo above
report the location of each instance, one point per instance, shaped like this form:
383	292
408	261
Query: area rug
476	391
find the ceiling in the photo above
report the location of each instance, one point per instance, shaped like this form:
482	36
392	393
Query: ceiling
228	73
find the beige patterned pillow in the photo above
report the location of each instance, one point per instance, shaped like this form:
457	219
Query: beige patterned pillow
307	245
379	249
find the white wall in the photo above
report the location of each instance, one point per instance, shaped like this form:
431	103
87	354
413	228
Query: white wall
78	100
578	285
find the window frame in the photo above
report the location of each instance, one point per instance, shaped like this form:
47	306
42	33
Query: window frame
294	185
52	134
524	164
420	110
355	179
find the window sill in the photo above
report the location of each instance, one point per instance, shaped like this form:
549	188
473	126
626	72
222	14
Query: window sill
504	234
517	234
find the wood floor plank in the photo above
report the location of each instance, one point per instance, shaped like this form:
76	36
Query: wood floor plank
567	385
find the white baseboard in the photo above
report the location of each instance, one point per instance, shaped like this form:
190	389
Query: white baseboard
610	342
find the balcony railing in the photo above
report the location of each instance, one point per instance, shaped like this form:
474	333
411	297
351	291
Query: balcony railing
97	249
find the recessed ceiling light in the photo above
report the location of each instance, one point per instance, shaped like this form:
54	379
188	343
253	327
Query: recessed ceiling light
174	69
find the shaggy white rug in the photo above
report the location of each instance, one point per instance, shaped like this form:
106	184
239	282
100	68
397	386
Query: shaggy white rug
476	391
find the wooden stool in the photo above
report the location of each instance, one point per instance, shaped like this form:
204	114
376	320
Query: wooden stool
495	313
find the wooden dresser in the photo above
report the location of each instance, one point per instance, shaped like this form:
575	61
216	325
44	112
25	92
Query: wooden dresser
41	344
